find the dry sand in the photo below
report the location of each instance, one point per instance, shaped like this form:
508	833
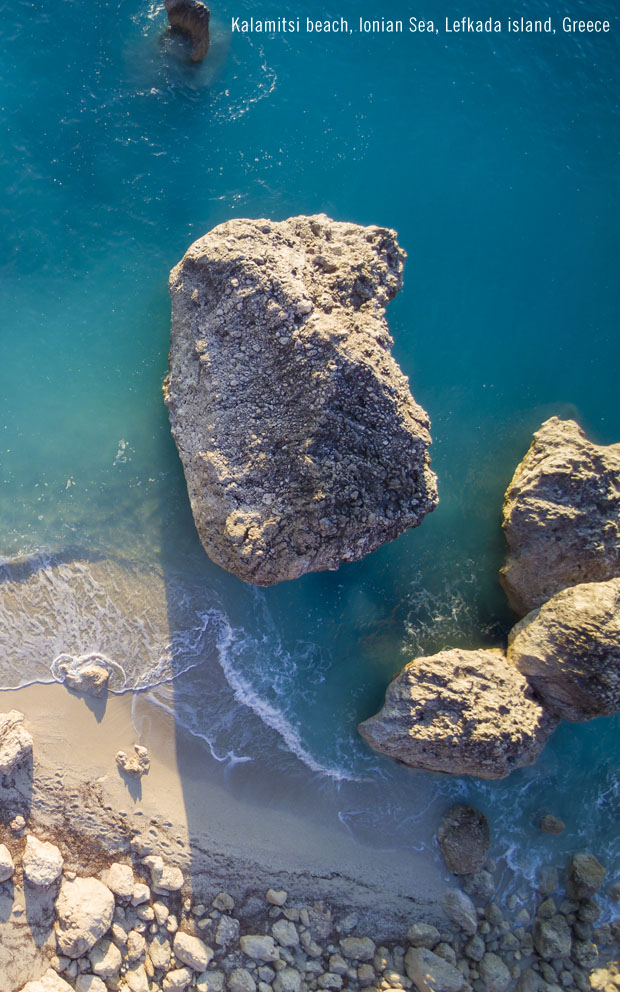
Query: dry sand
218	836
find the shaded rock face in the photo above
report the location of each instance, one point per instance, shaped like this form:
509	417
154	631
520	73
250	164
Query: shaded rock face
561	516
301	444
461	712
464	837
15	741
191	17
570	650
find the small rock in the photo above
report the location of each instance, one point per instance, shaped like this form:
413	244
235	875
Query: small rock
287	980
120	881
49	982
464	838
328	980
475	948
42	862
277	897
552	937
259	947
136	978
105	959
423	935
285	933
192	951
135	765
358	948
90	983
240	980
494	973
223	902
160	952
227	931
90	678
177	980
551	824
211	981
585	876
430	973
136	946
17	825
165	878
480	885
460	909
6	863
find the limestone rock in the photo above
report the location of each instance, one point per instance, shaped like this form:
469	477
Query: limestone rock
430	973
301	444
135	765
177	980
358	948
90	983
160	952
191	17
137	979
84	908
285	933
42	862
6	863
569	649
15	741
461	712
259	947
423	935
49	982
464	838
585	876
89	676
240	980
191	951
460	909
561	516
120	881
105	959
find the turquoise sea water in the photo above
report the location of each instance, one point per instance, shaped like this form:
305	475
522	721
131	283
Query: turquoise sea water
497	160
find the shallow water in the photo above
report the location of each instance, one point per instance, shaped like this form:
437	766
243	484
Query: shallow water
496	159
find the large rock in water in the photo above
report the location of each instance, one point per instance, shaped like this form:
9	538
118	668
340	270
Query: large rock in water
461	712
561	516
301	443
569	650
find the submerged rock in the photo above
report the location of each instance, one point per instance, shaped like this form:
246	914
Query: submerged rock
15	741
191	17
464	837
561	516
461	712
569	650
301	443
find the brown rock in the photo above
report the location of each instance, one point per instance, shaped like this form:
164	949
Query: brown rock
191	17
561	516
569	649
464	838
461	712
301	443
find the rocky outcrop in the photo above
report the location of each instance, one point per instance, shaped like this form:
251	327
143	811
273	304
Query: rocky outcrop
191	17
569	650
561	516
461	712
464	837
301	443
15	741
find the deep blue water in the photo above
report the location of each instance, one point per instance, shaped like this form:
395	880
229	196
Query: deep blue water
497	160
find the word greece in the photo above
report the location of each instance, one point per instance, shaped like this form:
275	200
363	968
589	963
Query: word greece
384	25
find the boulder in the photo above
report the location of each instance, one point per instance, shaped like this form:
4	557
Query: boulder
569	650
460	909
561	516
460	712
464	838
494	973
585	876
89	675
551	824
42	862
191	17
301	443
423	935
15	741
430	973
120	881
552	937
135	765
84	908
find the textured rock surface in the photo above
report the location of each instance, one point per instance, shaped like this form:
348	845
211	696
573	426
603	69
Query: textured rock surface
301	443
585	876
135	765
90	676
461	910
430	973
461	712
84	908
464	837
561	516
42	862
570	650
15	741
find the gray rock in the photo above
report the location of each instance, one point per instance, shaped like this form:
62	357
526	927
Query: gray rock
358	948
84	909
585	876
137	978
227	931
548	880
585	953
224	902
460	712
165	878
460	909
552	937
277	897
260	947
285	933
494	973
15	741
561	516
240	980
430	973
90	983
475	948
480	885
287	980
423	935
178	980
569	650
464	838
301	444
135	947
